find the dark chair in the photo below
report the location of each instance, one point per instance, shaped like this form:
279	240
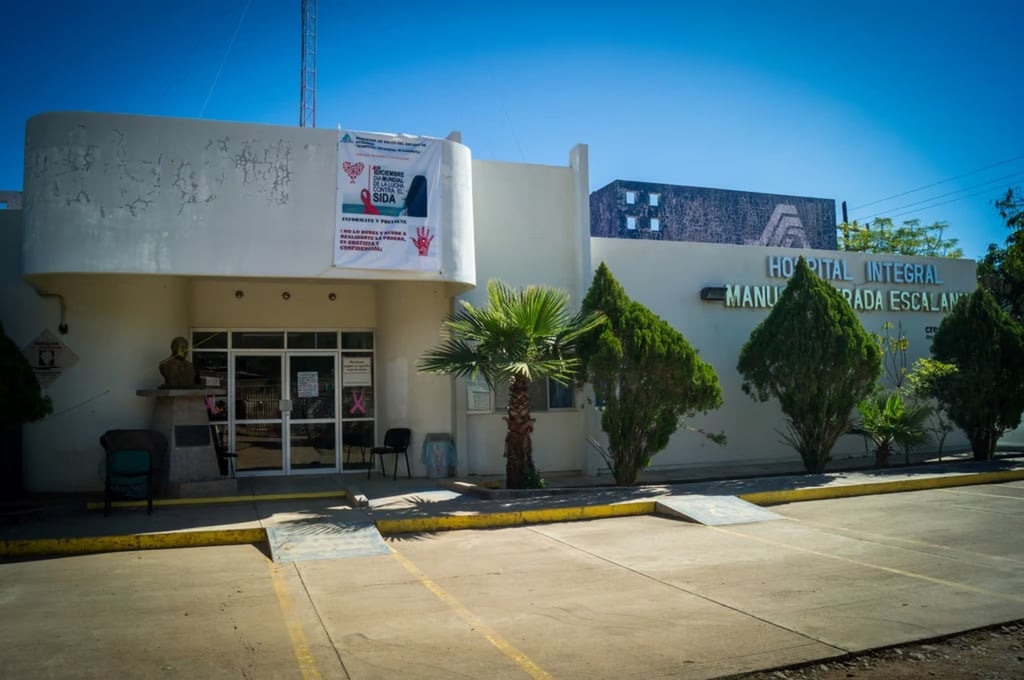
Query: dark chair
129	475
396	442
357	440
136	464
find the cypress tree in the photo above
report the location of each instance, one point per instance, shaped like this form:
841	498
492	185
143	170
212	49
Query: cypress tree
646	375
984	395
812	355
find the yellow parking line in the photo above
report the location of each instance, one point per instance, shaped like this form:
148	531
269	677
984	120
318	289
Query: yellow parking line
869	565
492	636
973	492
307	665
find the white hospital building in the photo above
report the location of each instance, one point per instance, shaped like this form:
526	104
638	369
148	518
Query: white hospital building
308	306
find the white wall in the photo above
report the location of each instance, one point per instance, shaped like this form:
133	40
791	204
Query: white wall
409	316
109	193
213	304
667	277
530	226
119	327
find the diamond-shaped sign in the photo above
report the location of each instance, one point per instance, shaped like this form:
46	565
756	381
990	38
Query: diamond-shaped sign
49	357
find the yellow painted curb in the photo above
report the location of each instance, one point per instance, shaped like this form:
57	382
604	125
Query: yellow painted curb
215	537
98	505
101	544
851	490
408	525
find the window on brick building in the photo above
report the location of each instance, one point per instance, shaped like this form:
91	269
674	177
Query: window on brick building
630	223
655	224
653	199
630	197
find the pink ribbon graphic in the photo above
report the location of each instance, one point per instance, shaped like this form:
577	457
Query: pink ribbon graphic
357	403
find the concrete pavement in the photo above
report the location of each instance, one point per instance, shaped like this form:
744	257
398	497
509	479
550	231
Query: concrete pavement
629	597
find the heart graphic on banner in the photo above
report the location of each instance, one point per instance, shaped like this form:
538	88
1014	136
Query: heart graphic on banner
353	170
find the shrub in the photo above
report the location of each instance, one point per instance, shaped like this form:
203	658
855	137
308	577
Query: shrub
646	375
984	396
812	354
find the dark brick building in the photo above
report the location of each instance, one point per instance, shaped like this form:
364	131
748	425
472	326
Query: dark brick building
626	209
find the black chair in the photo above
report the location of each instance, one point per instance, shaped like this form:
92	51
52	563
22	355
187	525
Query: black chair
396	442
358	439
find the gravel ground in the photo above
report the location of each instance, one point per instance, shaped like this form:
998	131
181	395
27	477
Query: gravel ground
995	653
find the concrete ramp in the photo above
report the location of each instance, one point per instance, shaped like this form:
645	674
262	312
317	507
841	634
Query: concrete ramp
713	510
325	540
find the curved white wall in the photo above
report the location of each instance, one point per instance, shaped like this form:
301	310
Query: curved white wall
109	193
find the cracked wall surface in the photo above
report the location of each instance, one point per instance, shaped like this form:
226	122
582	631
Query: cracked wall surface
157	195
109	193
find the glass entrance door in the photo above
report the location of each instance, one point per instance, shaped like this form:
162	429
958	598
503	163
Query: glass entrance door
258	391
296	402
287	426
313	417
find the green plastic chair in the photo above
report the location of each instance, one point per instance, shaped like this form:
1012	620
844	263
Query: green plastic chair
129	475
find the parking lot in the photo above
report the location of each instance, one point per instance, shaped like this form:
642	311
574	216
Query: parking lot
638	597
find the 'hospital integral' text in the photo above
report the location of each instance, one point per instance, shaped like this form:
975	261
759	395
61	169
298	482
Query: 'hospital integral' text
861	298
834	269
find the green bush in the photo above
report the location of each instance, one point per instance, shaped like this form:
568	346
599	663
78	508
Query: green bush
984	396
646	375
812	354
21	398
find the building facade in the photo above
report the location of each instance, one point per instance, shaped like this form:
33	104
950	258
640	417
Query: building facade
136	229
666	212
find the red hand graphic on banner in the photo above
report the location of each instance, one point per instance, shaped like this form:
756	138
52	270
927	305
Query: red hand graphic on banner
422	241
368	208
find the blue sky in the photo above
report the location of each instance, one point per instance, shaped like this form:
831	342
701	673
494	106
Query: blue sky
855	101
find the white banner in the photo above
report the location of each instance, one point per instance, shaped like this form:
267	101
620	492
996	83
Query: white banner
388	209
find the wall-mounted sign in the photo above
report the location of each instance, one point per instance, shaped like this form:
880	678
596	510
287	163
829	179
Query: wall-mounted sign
308	384
357	371
389	203
909	285
49	357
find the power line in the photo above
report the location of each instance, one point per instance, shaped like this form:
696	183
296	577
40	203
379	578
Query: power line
1012	177
952	200
933	184
223	61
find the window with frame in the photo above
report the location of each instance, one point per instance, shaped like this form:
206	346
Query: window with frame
545	395
652	200
630	197
630	223
655	224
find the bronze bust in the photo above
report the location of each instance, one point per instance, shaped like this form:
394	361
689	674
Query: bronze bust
177	371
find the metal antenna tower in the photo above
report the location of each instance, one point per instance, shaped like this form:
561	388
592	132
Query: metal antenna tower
307	75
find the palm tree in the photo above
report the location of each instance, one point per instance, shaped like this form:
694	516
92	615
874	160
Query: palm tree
889	421
521	335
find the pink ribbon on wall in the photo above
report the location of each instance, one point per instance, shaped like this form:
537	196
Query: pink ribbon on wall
357	403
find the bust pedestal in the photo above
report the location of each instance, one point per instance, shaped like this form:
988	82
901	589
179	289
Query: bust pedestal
192	471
